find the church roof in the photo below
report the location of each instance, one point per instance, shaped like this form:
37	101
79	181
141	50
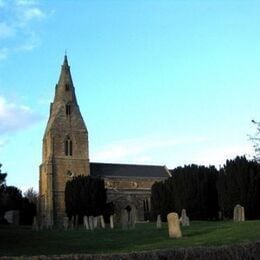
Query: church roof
128	170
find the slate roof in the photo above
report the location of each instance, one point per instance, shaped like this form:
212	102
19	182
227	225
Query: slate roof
128	170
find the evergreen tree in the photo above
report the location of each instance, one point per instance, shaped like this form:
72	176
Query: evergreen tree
191	187
85	196
239	183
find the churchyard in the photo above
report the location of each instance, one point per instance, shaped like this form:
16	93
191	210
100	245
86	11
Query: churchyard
23	240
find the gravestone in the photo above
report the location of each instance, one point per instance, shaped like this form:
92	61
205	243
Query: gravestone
220	217
102	221
174	225
239	213
131	223
159	222
48	222
124	219
85	222
91	222
111	218
12	217
66	223
72	223
77	221
35	225
185	221
95	222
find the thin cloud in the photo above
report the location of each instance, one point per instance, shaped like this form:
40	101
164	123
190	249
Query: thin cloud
32	13
17	27
218	156
138	150
26	2
14	117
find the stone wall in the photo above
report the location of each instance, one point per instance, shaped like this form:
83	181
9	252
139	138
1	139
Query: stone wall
133	192
250	251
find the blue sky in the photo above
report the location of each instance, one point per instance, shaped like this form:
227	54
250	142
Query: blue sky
158	82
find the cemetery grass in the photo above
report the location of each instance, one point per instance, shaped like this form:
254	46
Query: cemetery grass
16	241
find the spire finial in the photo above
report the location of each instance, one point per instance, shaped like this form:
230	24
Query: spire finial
65	58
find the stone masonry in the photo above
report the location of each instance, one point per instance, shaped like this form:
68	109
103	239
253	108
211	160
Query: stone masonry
65	150
65	155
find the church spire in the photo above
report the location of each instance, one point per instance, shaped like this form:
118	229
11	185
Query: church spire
65	91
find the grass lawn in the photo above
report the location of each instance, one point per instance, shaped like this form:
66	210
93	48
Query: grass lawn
24	241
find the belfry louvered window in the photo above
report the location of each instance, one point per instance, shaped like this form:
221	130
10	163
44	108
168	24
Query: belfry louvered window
67	87
68	146
68	109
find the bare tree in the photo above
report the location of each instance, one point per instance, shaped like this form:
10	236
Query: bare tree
256	141
31	195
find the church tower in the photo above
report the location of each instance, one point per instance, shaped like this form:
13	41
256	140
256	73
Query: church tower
64	150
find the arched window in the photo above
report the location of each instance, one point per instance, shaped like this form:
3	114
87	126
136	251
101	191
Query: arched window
68	146
68	109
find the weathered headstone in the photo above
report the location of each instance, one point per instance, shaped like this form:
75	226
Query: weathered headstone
111	218
42	223
159	222
95	222
124	219
12	217
66	223
72	223
239	213
174	225
48	222
91	222
85	222
220	215
131	223
77	221
185	221
35	225
102	221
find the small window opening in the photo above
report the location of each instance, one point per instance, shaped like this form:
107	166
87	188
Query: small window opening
70	174
68	109
68	147
67	87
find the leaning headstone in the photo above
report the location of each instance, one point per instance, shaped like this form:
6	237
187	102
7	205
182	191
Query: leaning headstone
102	221
124	219
35	225
66	223
185	221
174	225
85	222
91	222
159	222
239	213
111	218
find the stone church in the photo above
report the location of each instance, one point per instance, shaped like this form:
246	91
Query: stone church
65	154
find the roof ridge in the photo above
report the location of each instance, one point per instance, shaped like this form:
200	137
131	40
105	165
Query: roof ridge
129	164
